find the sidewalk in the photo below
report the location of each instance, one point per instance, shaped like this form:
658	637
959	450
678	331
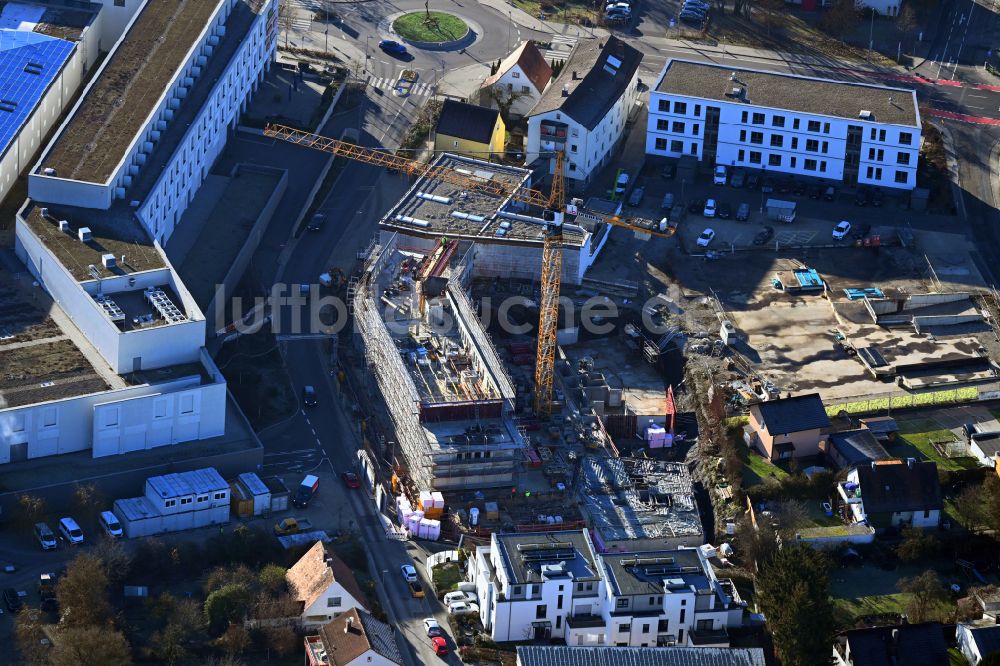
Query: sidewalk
526	20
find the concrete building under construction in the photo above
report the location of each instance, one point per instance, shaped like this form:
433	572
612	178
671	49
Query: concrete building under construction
449	396
508	236
639	505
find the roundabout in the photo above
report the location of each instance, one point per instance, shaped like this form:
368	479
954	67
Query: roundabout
430	28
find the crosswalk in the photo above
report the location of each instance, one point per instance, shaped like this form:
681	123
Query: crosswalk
387	84
564	39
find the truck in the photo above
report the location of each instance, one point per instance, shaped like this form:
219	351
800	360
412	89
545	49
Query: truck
781	211
291	526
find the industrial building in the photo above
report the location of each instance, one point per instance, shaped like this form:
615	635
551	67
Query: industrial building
855	133
638	504
175	502
447	391
508	236
44	54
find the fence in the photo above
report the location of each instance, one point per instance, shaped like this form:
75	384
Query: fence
905	401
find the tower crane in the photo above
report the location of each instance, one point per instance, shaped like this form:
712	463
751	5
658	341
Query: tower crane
554	209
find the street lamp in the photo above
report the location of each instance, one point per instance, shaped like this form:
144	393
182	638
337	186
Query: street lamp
367	50
384	572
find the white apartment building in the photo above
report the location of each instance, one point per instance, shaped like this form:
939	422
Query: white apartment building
175	502
584	111
529	584
160	108
519	81
854	133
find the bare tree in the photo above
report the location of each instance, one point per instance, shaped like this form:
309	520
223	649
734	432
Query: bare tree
926	591
505	100
91	645
30	509
286	18
840	18
773	15
29	635
83	592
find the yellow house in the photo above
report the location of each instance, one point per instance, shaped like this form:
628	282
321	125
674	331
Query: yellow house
470	130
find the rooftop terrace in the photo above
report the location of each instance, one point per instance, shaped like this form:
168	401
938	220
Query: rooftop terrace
120	99
61	22
524	555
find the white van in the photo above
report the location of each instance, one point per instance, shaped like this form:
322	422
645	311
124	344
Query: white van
71	531
453	597
111	525
45	537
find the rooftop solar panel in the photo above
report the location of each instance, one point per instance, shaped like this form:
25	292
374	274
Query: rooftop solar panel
29	62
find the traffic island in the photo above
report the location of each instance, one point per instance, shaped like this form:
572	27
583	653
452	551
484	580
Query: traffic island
433	30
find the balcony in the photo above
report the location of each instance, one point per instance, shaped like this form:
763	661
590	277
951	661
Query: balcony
584	621
709	637
728	588
553	132
850	492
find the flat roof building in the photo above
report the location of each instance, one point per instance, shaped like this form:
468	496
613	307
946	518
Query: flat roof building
857	133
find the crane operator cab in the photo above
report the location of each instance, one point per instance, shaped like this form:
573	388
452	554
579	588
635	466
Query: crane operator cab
553	222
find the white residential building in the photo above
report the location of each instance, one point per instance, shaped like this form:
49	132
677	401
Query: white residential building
530	584
324	585
520	81
175	502
977	640
855	133
584	111
893	493
353	639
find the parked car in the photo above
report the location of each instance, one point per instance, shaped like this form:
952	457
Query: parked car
452	597
753	181
668	171
391	47
743	212
440	646
316	222
71	531
861	197
692	18
710	208
11	599
696	206
764	235
621	184
719	177
862	231
668	201
738	178
841	230
706	237
291	526
784	186
463	608
351	480
877	196
815	191
830	193
306	491
49	605
46	538
416	589
110	525
409	573
798	188
638	194
725	211
432	627
309	396
767	186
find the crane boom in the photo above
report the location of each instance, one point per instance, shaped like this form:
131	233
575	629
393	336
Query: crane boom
548	309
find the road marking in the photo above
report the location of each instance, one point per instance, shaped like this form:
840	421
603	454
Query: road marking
288	453
319	444
313	432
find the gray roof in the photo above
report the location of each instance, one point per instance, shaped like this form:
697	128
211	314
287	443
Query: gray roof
788	415
253	483
858	446
562	655
195	482
593	82
135	508
987	639
891	486
630	574
803	94
523	555
467	121
916	645
381	637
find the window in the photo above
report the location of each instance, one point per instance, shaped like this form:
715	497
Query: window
777	140
680	107
683	613
572	167
697	109
624	628
826	146
540	611
652	600
812	145
758	119
868	173
695	128
792	161
809	165
516	591
880	155
119	3
754	157
187	404
705	625
777	121
743	135
454	143
881	135
826	128
170	503
333	602
558	621
663	105
663	626
677	146
110	418
742	156
202	498
795	143
677	127
186	500
662	124
220	495
757	137
694	148
572	148
660	144
525	89
744	117
878	173
822	166
812	126
515	75
645	628
872	135
903	179
795	123
871	153
622	603
905	138
49	419
684	602
559	603
902	158
774	160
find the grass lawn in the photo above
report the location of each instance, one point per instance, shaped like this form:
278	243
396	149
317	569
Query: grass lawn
955	658
446	577
565	11
438	27
915	439
756	469
846	612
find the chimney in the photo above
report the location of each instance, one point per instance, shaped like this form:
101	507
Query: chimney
349	625
108	260
873	464
910	462
565	91
574	75
83	233
894	642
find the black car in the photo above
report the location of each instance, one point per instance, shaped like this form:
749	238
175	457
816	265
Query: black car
830	193
49	605
309	396
862	230
877	196
668	172
767	186
764	235
861	197
11	599
815	192
724	211
696	206
798	188
743	212
784	186
753	181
